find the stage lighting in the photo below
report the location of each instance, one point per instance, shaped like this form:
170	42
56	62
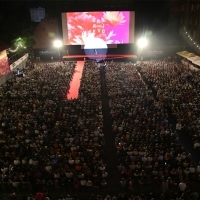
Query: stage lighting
57	43
142	42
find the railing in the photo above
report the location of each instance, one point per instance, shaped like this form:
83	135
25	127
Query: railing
16	56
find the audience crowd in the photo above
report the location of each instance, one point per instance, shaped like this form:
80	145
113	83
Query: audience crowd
50	143
148	149
177	87
28	112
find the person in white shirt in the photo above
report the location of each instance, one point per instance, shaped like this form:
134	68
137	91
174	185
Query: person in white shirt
149	158
120	128
191	169
196	145
83	182
71	161
183	156
77	160
89	183
178	158
182	186
56	175
16	162
80	176
69	175
31	197
48	168
61	198
178	126
102	167
160	157
104	174
95	51
4	169
15	184
198	169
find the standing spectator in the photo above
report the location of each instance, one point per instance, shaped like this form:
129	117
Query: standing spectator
123	183
198	169
31	197
178	127
182	186
165	187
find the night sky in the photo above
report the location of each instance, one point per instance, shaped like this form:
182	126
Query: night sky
151	16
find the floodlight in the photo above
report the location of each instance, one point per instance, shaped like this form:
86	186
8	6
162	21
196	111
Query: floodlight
142	42
57	43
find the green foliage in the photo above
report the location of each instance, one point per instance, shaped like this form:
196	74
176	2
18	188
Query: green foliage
26	41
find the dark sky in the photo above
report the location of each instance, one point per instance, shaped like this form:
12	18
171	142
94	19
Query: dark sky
15	15
149	9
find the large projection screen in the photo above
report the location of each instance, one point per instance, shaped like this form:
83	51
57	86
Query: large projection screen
113	27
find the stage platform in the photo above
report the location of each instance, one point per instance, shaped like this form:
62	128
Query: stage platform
99	57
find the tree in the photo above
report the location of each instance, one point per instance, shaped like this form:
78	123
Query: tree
27	39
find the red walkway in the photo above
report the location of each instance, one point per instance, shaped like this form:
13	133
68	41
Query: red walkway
76	80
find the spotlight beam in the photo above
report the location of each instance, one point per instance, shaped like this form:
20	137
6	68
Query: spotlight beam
142	42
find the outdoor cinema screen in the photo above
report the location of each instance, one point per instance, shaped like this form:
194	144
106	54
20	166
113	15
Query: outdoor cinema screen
112	27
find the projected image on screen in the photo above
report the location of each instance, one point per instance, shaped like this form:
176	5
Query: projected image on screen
110	26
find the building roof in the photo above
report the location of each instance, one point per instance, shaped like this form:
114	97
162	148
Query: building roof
3	46
45	32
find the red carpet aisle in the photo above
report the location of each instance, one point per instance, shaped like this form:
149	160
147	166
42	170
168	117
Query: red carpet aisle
75	82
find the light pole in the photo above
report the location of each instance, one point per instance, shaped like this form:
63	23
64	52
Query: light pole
58	44
142	43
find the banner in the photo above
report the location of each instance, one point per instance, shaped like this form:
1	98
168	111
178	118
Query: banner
16	63
191	66
4	65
